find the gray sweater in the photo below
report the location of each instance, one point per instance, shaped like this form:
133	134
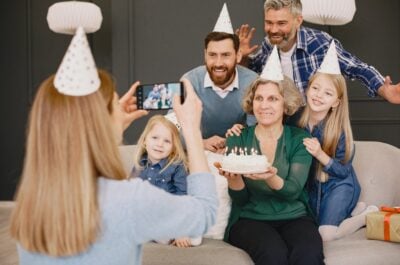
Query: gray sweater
219	114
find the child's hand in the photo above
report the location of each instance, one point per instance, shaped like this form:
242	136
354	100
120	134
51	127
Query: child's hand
183	242
235	130
215	144
312	146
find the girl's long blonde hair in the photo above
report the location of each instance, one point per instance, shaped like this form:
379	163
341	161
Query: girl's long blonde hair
70	143
336	122
177	153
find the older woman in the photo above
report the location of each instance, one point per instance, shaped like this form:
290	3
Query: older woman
270	219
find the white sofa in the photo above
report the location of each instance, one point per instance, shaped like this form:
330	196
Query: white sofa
378	170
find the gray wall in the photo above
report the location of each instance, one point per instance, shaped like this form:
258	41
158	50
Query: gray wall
153	41
30	52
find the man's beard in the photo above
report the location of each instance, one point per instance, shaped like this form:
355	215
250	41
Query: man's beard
284	41
221	80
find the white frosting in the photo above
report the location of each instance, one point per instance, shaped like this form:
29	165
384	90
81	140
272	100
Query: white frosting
244	163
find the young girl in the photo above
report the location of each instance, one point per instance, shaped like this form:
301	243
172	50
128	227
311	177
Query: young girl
333	186
161	160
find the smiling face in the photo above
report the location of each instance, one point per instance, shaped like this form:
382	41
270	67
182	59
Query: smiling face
268	105
158	143
281	27
322	95
221	59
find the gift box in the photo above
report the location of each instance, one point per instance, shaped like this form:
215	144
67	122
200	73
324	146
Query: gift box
384	224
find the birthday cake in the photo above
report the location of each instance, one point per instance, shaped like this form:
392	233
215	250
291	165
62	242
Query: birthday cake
244	163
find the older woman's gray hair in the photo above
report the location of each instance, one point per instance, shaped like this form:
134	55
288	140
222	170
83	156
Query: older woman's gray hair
291	95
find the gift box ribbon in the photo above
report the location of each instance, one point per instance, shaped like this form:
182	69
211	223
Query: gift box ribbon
386	220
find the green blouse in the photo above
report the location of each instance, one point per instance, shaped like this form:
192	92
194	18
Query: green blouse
257	200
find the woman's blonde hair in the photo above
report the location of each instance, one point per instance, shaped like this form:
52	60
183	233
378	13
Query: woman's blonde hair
177	153
291	95
107	88
337	121
70	143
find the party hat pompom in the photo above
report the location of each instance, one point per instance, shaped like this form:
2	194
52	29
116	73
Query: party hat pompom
66	17
224	22
77	75
273	68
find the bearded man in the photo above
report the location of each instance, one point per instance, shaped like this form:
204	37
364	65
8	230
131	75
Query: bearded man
220	85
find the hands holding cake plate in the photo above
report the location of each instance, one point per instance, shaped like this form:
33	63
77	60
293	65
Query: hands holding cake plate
234	176
235	181
271	171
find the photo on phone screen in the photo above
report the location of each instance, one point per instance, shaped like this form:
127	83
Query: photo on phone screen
158	96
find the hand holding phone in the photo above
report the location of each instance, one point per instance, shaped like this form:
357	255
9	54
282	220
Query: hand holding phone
129	107
158	96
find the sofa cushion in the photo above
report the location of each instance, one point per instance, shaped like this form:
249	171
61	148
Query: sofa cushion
355	249
8	248
127	153
377	168
211	251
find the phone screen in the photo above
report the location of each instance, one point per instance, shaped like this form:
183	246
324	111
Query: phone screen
158	96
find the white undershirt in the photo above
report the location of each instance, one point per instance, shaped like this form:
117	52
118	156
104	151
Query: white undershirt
221	92
286	62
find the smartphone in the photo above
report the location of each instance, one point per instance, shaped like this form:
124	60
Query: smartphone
158	96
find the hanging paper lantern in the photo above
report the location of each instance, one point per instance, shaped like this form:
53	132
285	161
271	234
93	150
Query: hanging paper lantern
66	17
328	12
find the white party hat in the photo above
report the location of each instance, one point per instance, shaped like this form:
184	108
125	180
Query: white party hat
77	75
330	64
172	118
273	68
66	17
224	22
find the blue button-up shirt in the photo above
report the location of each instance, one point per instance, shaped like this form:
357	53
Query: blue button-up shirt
172	179
310	51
